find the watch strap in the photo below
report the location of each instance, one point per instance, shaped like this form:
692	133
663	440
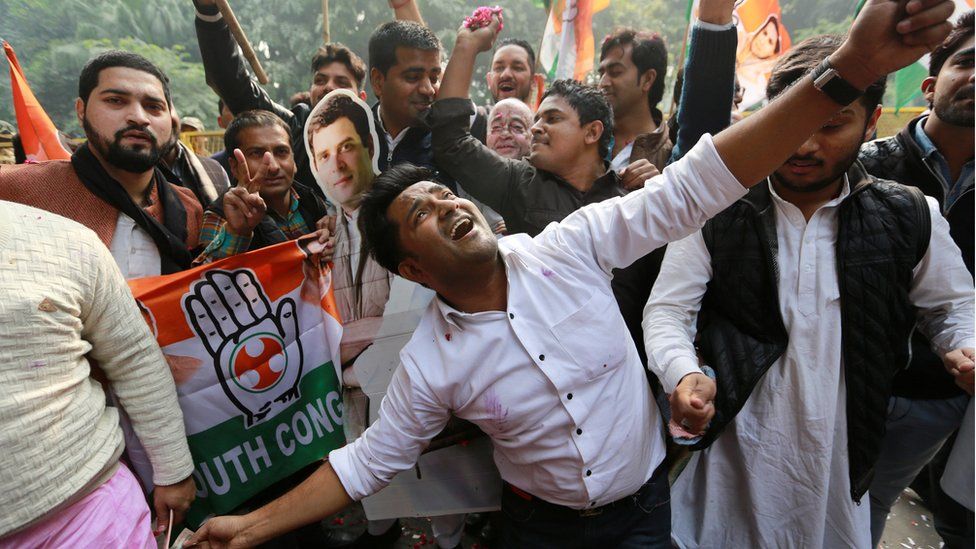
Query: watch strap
830	82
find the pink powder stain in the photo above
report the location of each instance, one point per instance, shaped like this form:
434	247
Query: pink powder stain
497	413
547	273
447	336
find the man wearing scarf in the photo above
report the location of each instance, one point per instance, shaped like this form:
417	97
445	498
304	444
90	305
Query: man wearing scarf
112	184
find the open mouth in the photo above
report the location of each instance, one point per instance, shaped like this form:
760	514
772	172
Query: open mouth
461	228
506	87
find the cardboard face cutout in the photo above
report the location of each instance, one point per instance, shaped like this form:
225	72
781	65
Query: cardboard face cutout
343	147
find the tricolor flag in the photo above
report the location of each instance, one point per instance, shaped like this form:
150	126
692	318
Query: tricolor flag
37	133
908	81
253	344
567	45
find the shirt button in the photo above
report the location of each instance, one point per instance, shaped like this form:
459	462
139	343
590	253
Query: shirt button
588	472
542	357
511	315
592	503
579	431
569	396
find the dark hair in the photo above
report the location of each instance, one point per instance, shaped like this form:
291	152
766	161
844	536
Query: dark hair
520	43
647	52
298	98
589	103
381	238
961	31
220	106
88	80
336	52
405	34
251	119
802	58
342	106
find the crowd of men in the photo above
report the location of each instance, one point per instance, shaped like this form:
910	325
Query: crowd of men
784	296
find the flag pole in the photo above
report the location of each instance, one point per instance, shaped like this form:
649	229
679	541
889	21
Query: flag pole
242	41
325	21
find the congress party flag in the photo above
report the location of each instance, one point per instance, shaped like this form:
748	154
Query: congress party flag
37	133
253	343
907	82
567	45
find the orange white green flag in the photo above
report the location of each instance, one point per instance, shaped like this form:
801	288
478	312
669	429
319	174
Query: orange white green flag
253	343
567	49
38	135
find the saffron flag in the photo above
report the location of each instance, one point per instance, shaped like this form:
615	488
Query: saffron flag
908	81
567	45
37	133
253	344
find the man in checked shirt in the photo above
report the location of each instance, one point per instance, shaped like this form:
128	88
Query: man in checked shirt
525	339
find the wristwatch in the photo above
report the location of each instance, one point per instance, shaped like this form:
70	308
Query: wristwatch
830	82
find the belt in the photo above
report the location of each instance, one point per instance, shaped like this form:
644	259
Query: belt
555	510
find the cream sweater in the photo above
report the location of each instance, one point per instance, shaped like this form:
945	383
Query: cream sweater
63	300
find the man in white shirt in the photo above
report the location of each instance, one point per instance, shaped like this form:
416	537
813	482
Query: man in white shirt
809	288
525	339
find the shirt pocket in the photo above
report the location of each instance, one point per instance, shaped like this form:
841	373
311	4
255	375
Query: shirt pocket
594	336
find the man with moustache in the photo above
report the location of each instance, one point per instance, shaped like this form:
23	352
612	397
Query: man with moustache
267	206
112	184
509	135
333	66
512	71
934	152
524	340
808	290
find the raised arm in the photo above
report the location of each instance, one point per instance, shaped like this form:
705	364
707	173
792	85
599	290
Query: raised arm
480	172
407	10
225	67
886	36
709	81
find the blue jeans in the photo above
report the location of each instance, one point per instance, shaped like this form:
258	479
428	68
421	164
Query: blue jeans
640	520
916	429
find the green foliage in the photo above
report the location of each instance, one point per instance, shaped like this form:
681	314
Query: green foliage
54	38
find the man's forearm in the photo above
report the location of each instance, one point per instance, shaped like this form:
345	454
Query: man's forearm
755	147
406	10
459	71
318	497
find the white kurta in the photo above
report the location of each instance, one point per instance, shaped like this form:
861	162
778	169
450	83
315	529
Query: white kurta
778	474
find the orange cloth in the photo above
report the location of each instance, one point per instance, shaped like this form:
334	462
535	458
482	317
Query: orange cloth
54	186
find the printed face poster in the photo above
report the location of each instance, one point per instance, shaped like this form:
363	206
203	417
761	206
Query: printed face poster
380	311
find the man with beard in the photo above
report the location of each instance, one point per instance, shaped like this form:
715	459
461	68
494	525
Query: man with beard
808	290
112	184
524	340
512	71
934	152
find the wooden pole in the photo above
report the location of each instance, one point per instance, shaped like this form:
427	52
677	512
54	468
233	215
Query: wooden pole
242	41
325	22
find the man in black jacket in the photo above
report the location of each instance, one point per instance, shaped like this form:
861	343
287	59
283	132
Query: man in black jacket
807	289
934	152
334	66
